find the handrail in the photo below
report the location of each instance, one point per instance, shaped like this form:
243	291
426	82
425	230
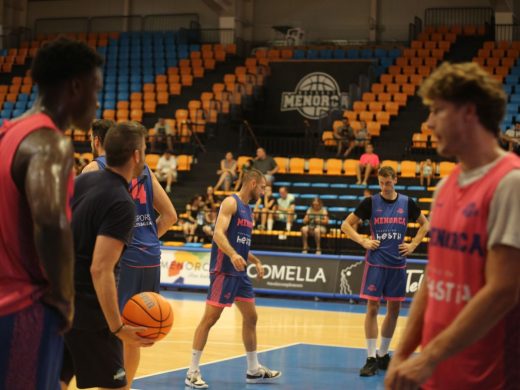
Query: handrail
448	16
252	133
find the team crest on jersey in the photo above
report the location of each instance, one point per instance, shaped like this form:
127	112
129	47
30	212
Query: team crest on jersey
471	210
400	210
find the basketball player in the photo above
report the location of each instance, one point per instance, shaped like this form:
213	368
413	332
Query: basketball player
103	217
229	281
140	266
385	266
466	314
36	252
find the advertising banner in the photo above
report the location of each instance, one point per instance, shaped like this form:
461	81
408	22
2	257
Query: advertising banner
290	273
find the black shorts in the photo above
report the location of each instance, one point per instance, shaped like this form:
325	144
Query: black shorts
97	358
134	280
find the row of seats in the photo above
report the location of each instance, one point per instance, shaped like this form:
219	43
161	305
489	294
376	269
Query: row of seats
327	53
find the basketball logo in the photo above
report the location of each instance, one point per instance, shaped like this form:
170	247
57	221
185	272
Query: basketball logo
315	95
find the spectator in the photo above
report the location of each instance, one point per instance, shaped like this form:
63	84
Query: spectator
163	133
285	211
244	168
210	201
368	163
227	172
362	135
315	223
167	170
426	172
512	138
265	164
264	209
192	218
344	135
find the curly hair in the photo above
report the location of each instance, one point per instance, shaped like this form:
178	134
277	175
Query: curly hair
467	83
61	60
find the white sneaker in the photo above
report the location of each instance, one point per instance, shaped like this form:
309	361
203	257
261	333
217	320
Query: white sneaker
195	381
263	375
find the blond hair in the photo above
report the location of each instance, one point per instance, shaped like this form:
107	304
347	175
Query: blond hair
467	83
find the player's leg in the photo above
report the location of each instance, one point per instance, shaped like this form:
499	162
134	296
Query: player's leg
305	234
368	171
371	290
245	301
359	167
317	238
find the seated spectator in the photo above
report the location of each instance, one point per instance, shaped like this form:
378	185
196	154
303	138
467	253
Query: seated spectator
362	135
344	136
163	134
244	168
511	138
426	172
284	211
192	218
265	164
166	170
315	223
227	172
368	163
210	200
264	209
210	217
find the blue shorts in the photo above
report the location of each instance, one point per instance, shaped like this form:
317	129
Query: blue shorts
225	289
31	349
135	280
382	282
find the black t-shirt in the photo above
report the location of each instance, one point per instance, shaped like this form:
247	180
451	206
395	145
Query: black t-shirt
101	206
364	210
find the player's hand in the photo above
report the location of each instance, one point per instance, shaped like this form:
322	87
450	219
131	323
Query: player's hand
238	262
259	270
408	374
367	243
406	249
128	335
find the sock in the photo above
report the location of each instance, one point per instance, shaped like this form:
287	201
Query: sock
195	359
371	347
270	224
385	344
252	362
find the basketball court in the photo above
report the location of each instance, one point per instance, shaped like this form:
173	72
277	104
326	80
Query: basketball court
315	344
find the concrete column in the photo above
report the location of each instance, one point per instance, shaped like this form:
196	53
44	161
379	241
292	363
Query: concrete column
373	21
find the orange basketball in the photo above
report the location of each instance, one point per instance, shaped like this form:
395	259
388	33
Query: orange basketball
152	311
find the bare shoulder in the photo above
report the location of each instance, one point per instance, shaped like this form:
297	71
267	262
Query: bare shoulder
91	167
229	205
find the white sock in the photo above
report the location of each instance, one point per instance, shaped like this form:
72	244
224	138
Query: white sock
195	360
385	344
270	224
252	362
371	347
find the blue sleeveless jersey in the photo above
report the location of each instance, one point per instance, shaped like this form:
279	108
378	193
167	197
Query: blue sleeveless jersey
145	248
388	225
238	235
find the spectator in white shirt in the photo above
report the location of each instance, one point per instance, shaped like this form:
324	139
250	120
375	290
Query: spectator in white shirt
166	170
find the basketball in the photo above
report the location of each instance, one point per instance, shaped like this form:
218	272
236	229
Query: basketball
150	310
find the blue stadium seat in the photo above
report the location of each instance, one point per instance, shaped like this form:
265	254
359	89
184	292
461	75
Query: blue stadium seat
394	53
8	106
339	185
347	197
109	105
352	54
512	79
123	96
515	98
399	187
299	54
308	196
18	112
312	54
320	185
366	53
512	108
515	71
358	186
509	118
387	61
326	54
20	105
283	184
379	53
508	89
23	97
339	54
301	207
301	184
338	209
415	188
329	197
136	87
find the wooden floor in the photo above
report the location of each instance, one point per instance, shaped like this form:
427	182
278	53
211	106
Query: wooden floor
277	326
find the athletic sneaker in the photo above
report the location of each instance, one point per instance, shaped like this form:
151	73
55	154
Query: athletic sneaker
263	375
370	367
383	361
195	381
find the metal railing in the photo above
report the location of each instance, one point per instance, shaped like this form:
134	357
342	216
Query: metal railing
447	16
507	32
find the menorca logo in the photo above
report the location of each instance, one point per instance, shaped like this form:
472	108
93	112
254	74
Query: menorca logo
315	95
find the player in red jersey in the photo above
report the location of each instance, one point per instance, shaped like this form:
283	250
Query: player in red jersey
466	315
36	254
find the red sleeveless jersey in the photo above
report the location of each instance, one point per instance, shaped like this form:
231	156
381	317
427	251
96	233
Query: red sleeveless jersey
457	258
22	279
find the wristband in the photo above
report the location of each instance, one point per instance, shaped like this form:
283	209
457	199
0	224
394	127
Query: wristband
118	329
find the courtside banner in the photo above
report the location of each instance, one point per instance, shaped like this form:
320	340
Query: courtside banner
300	90
284	273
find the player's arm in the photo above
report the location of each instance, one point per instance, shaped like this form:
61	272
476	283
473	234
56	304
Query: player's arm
347	227
500	294
258	264
91	167
424	227
164	206
274	170
227	209
42	167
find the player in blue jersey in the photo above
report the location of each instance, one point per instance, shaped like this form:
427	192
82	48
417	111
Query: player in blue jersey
141	261
229	282
385	266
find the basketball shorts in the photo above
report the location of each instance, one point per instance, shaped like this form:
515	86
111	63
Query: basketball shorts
97	358
134	280
225	289
381	282
31	349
